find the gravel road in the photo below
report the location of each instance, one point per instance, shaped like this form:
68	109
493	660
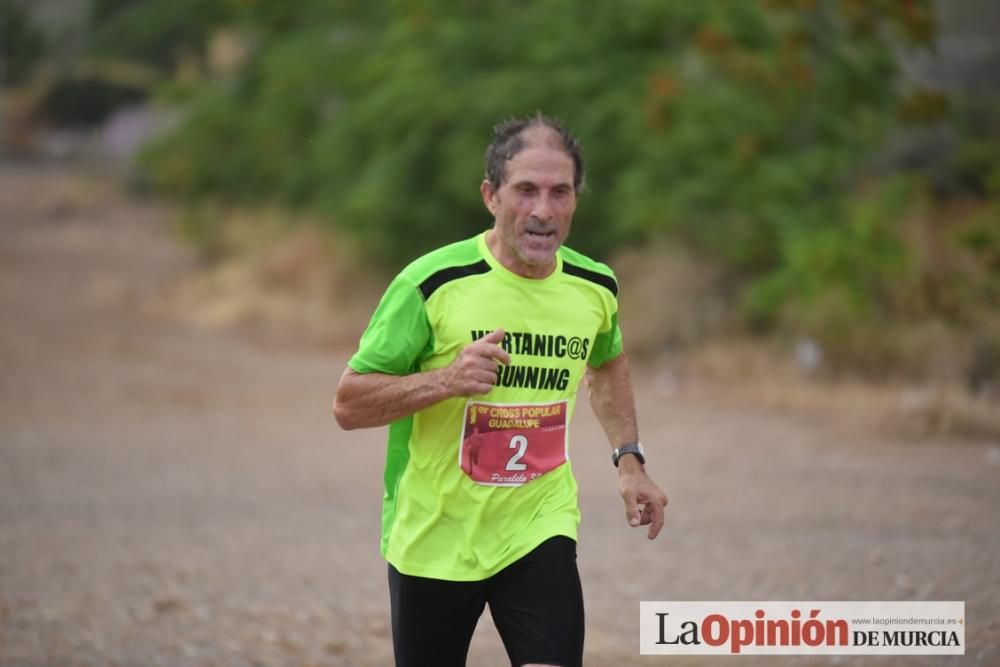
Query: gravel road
175	496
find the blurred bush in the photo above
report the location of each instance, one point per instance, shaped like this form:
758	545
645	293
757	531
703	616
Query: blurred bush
725	124
778	139
157	33
22	42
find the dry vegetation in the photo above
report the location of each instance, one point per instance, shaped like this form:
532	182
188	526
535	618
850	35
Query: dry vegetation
268	271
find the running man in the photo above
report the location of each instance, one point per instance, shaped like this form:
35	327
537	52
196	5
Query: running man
473	358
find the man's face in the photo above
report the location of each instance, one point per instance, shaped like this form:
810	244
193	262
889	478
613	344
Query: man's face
533	207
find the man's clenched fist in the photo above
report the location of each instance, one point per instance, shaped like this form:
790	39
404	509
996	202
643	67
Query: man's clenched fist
474	372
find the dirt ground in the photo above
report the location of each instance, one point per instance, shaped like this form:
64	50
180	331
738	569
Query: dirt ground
171	495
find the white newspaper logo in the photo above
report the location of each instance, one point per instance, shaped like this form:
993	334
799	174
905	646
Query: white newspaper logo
802	628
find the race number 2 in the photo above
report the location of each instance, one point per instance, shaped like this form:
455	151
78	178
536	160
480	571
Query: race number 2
510	445
520	443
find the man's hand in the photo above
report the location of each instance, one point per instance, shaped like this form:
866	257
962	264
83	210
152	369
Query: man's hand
474	371
638	489
376	399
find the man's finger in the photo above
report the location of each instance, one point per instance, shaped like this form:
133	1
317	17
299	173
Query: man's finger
495	337
494	353
656	519
491	355
501	355
631	510
492	348
647	516
484	376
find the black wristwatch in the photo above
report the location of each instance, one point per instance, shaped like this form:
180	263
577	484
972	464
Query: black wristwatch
631	448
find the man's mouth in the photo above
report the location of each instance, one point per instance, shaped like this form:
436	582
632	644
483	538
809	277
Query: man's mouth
541	235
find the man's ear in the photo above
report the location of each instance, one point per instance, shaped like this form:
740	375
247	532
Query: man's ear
489	196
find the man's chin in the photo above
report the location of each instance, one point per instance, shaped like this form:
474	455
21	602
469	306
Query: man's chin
540	254
539	258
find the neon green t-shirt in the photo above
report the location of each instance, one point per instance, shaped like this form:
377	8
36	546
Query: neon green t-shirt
471	485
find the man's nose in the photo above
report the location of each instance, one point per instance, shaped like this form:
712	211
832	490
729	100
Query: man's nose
543	207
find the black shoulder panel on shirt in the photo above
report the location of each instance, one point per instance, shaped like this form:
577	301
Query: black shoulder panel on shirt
605	281
439	278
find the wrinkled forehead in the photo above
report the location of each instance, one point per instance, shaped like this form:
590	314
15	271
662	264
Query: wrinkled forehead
545	166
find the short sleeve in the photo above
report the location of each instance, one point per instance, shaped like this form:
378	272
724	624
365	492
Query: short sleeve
607	345
398	335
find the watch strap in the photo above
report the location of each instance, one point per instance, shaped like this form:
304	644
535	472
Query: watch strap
634	448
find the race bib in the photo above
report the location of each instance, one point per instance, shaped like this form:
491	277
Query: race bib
510	445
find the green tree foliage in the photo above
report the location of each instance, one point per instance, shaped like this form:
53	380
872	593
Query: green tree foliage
727	124
743	129
155	32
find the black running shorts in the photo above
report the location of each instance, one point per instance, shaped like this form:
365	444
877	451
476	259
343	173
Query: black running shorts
536	603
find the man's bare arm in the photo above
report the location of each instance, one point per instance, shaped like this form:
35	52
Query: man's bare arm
613	401
376	399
